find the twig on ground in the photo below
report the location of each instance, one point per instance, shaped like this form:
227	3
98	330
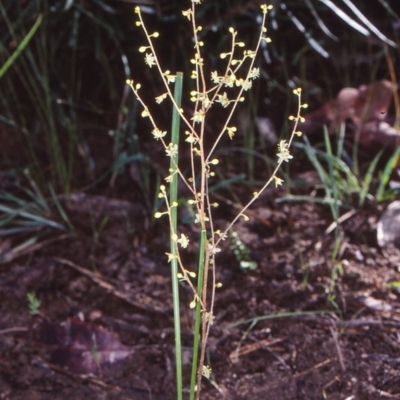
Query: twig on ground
338	349
18	252
313	368
13	330
110	288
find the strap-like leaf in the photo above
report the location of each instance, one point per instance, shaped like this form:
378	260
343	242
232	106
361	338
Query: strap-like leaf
313	43
341	14
369	25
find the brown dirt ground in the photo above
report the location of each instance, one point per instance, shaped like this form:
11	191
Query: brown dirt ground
346	347
315	338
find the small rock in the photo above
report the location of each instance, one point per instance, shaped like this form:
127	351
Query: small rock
388	228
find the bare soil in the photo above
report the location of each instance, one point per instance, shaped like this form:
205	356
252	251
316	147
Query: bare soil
326	329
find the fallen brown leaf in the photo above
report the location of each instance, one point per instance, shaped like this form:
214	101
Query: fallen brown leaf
364	110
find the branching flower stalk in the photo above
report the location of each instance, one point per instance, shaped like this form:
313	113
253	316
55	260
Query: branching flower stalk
227	91
283	156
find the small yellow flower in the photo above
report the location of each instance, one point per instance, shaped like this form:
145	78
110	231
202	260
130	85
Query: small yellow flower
149	59
196	151
183	241
229	80
231	131
198	116
254	73
265	8
297	91
158	134
213	250
170	78
246	85
250	53
171	257
206	371
278	181
223	99
159	99
191	274
172	150
187	14
209	317
190	138
283	152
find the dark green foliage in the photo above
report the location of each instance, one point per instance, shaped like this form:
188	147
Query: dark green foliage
69	72
65	90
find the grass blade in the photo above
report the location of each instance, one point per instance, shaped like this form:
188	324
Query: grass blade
368	178
341	14
21	46
369	25
61	211
391	164
174	262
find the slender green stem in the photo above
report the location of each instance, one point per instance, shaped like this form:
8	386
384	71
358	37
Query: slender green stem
390	166
197	324
21	46
174	263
